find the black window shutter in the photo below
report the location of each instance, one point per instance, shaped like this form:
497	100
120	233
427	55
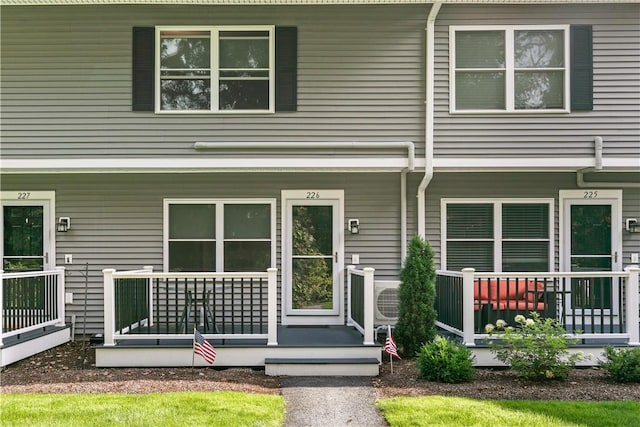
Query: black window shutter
143	68
286	68
581	68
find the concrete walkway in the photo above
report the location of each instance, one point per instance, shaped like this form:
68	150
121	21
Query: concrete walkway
330	402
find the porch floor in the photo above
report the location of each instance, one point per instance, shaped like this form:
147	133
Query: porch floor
288	336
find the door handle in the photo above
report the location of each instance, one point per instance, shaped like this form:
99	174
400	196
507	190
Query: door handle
335	257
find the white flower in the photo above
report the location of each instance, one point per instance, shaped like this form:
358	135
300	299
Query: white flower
500	323
489	328
530	322
519	318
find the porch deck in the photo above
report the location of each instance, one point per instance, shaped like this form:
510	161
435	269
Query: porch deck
288	336
305	350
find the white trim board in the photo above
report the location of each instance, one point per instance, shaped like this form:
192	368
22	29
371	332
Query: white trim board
196	165
494	164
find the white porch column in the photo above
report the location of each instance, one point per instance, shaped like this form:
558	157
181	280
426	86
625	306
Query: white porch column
368	305
468	327
109	306
1	304
633	302
60	296
149	269
272	306
349	314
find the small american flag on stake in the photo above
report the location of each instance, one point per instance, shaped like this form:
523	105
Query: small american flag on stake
203	348
390	347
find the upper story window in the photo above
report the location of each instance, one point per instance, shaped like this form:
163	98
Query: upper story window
509	69
215	69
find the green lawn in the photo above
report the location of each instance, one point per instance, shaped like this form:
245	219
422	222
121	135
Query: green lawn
455	411
159	409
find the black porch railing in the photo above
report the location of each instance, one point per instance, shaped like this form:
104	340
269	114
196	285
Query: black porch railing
448	303
31	300
594	305
146	305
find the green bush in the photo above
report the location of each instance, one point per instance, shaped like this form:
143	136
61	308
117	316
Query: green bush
536	348
417	293
445	361
622	365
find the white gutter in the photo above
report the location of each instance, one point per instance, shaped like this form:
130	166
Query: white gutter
429	116
288	2
407	145
598	145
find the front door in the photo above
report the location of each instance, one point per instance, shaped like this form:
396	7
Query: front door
26	231
313	291
592	242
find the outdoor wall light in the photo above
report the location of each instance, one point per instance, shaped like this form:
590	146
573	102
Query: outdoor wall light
632	225
64	224
354	226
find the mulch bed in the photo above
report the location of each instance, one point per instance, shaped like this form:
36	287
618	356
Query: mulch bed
65	370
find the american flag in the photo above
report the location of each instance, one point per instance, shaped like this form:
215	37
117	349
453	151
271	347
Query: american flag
203	347
390	345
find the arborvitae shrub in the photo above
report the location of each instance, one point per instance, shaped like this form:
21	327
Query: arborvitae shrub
416	322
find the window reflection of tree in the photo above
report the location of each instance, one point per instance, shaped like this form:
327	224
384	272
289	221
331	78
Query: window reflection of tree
312	279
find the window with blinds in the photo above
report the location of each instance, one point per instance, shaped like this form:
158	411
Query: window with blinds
498	236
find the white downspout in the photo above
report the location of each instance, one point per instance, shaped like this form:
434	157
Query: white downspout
429	117
403	217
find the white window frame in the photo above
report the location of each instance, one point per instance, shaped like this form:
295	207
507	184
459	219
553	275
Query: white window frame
497	227
215	70
220	240
509	68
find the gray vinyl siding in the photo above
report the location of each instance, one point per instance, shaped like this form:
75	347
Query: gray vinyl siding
66	81
492	186
616	56
117	220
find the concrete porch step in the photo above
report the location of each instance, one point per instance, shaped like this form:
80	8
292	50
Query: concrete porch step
355	366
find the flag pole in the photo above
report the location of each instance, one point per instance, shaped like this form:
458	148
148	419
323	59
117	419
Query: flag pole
390	355
193	353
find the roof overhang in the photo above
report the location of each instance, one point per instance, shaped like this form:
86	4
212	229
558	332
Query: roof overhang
286	2
201	165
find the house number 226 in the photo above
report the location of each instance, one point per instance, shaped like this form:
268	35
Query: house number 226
313	195
590	194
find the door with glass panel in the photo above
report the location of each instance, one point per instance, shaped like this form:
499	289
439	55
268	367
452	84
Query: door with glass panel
25	235
592	243
312	263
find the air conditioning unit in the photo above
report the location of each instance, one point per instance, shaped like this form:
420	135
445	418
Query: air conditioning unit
387	306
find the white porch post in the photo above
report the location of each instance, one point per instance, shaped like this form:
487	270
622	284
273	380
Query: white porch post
468	327
109	306
149	269
349	318
1	305
368	305
633	301
60	296
272	307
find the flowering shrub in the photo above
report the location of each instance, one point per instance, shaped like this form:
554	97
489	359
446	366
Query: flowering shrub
445	361
535	348
622	365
